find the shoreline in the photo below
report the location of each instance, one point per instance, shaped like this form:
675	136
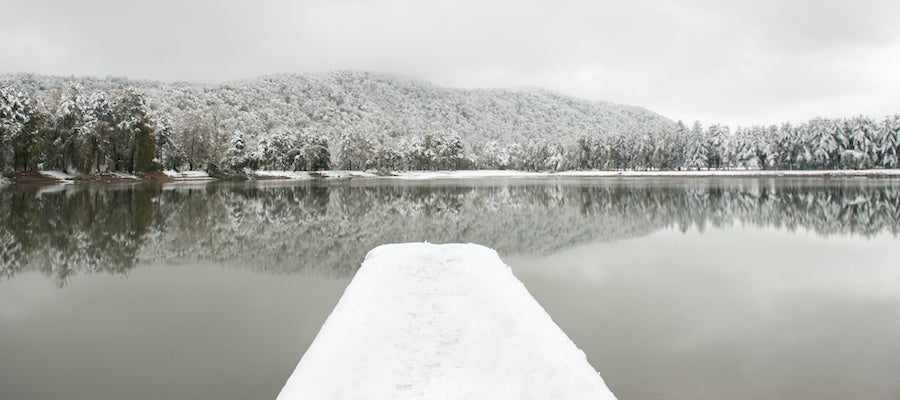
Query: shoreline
53	178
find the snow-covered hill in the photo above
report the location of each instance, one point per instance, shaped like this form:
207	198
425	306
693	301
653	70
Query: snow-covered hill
365	121
387	111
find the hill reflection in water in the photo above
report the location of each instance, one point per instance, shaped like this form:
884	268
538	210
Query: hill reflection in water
327	228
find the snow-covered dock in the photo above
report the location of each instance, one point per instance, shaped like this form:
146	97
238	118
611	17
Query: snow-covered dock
427	321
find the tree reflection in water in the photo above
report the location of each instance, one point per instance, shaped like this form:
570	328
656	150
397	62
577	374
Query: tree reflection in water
326	228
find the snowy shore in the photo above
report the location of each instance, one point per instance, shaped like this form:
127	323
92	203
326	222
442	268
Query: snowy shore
199	177
187	175
426	321
477	174
870	173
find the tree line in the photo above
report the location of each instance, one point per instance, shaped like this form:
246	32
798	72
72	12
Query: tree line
819	144
99	132
117	130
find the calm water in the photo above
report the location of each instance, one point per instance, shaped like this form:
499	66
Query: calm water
675	289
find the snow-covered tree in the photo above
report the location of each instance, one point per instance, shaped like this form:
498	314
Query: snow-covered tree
374	121
863	140
132	135
890	142
826	146
696	156
236	155
716	136
645	147
192	146
99	120
355	151
21	124
66	136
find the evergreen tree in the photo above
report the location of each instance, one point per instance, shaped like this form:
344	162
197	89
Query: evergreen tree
890	142
168	154
644	149
236	155
21	124
696	149
63	141
714	143
27	143
826	147
863	142
134	143
99	120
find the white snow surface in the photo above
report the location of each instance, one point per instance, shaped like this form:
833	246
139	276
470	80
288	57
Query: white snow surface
187	175
477	174
463	174
59	175
304	175
737	173
427	321
125	175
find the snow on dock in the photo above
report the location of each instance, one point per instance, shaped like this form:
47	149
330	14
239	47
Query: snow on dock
427	321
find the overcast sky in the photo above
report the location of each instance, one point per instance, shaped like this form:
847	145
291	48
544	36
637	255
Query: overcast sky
735	62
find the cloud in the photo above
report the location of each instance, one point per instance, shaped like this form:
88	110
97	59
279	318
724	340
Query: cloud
735	62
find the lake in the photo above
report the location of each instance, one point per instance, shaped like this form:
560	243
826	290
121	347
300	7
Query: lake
675	288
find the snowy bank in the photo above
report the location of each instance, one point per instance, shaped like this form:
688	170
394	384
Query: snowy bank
466	174
187	175
840	173
304	175
487	174
60	176
475	174
441	322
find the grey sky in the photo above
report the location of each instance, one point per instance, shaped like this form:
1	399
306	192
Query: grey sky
735	62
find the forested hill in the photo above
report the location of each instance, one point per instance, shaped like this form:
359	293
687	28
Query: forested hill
357	121
361	116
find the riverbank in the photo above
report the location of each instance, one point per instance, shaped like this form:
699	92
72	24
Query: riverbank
481	174
52	178
47	178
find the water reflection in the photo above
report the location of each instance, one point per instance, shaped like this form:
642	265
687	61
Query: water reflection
327	228
64	233
735	313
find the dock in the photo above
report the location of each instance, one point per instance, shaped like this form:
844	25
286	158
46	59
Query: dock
450	321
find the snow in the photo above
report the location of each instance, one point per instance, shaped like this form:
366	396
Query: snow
405	175
472	174
737	173
3	181
359	119
476	174
59	175
187	175
304	175
124	175
480	174
445	321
